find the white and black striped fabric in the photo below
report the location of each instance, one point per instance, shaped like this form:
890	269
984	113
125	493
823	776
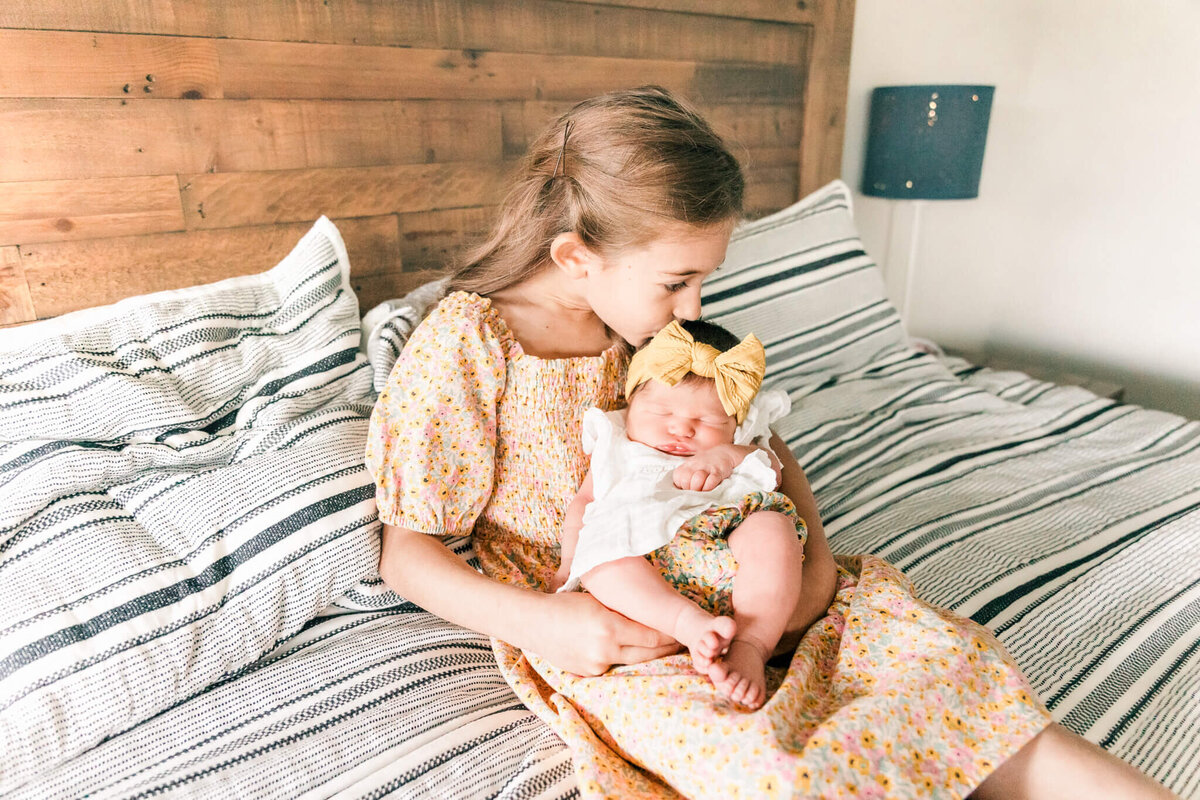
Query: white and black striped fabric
1067	523
189	597
182	490
387	326
388	703
201	598
801	280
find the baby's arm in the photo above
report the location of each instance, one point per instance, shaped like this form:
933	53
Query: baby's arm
572	523
705	470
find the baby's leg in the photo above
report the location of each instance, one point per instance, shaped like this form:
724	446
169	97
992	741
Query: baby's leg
634	587
766	590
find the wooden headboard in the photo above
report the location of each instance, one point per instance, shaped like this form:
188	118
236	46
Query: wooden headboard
154	145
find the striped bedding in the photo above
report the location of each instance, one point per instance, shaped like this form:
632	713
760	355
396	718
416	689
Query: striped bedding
1069	524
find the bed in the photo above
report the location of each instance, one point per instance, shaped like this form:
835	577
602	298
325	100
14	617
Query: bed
189	601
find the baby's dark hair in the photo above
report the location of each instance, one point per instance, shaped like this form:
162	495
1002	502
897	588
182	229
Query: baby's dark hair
704	332
710	333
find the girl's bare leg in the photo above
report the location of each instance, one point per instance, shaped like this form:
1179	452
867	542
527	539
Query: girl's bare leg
766	592
1062	765
634	587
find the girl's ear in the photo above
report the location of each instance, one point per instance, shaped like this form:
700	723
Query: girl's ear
573	256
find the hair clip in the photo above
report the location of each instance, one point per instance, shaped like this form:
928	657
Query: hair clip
562	154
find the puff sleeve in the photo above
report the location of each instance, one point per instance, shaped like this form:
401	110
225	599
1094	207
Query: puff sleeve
767	407
432	437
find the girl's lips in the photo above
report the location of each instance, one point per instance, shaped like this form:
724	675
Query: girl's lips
675	449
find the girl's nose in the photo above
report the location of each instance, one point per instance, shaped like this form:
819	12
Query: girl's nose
688	306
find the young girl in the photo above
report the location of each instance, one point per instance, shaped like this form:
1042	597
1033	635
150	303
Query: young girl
680	458
621	209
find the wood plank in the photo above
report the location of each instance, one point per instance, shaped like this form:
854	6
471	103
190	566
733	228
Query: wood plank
797	11
16	305
63	139
370	132
126	16
523	120
51	211
767	198
374	289
66	139
757	124
712	30
753	158
227	200
66	276
614	31
747	83
769	189
433	240
319	71
66	64
825	99
753	126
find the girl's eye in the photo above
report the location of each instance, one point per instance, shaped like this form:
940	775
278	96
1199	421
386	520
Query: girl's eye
675	287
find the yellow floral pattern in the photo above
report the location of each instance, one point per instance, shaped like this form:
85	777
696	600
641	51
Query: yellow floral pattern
698	561
886	696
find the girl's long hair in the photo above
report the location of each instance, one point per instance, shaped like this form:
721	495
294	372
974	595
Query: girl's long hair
617	170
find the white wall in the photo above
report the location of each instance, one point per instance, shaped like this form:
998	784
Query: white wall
1082	251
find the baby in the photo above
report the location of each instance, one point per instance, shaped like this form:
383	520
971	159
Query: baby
681	461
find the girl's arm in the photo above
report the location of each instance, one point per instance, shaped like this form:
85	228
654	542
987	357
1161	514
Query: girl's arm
820	573
571	630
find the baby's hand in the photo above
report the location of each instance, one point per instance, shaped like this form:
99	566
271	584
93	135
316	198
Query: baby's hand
704	471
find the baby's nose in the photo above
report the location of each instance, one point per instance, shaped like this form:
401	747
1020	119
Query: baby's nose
682	427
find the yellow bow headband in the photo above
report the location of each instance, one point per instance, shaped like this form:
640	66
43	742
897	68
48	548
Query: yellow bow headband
673	353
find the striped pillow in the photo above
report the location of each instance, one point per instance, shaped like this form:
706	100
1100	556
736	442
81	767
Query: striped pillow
801	281
183	488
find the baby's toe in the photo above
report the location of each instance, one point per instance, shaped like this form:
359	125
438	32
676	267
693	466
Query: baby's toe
739	690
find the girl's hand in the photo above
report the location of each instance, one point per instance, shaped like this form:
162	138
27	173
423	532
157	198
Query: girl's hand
580	635
776	465
705	470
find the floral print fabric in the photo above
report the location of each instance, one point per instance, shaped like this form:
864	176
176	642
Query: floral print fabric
886	696
698	561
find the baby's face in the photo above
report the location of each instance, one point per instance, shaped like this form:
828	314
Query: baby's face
680	420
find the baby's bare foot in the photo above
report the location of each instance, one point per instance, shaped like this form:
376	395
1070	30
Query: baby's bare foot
705	636
741	674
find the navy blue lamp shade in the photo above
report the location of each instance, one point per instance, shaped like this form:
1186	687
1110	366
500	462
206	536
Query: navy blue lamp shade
926	142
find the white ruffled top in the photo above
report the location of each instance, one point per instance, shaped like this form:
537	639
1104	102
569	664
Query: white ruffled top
637	507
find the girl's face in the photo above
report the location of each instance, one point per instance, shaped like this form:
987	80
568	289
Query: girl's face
681	420
638	291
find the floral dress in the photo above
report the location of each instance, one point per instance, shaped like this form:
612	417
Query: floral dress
886	696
